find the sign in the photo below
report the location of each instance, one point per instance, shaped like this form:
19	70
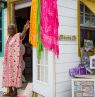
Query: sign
67	37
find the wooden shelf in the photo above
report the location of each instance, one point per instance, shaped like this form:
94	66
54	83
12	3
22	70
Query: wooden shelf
85	76
87	26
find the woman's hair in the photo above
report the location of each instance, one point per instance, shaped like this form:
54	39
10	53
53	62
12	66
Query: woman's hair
14	27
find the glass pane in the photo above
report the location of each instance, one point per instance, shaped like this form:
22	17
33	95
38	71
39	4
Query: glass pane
82	37
42	67
0	13
46	74
0	35
81	19
87	20
38	72
46	57
93	21
0	46
0	22
42	58
81	7
87	10
42	73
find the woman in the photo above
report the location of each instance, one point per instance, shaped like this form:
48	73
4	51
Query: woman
12	71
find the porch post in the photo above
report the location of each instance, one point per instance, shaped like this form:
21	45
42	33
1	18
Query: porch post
8	11
10	15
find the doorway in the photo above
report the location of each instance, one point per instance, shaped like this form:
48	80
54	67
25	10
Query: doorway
21	16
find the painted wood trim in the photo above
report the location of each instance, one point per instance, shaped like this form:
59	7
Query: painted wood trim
35	94
78	13
23	5
12	1
8	12
12	13
2	53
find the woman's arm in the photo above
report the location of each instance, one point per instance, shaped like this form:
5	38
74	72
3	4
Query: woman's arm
26	27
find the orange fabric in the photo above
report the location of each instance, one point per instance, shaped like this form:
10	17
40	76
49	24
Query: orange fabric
33	23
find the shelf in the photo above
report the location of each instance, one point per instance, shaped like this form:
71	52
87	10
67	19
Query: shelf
85	76
87	26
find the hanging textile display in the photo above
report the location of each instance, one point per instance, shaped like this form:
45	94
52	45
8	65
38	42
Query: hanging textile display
49	25
39	47
33	23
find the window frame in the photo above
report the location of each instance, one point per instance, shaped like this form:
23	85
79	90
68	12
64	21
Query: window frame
78	17
78	22
44	65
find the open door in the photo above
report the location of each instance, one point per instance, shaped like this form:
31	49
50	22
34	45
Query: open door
44	74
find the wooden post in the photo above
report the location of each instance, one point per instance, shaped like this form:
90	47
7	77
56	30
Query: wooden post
35	94
78	17
12	13
10	16
8	11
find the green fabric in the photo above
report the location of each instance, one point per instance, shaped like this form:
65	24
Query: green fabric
39	48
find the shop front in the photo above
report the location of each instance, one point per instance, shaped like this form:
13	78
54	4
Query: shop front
39	75
83	84
50	77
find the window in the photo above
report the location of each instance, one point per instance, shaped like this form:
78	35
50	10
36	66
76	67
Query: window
86	25
42	67
1	33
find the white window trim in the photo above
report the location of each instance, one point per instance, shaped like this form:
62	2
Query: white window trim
23	5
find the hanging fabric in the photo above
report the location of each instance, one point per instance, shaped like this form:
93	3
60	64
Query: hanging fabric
39	47
49	25
33	23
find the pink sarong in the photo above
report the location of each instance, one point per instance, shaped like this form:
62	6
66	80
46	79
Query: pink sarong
12	68
49	25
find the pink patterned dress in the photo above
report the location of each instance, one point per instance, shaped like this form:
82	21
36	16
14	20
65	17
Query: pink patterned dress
12	69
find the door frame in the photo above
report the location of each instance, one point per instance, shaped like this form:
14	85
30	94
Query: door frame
23	5
51	90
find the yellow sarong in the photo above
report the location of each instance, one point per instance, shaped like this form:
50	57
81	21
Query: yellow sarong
33	23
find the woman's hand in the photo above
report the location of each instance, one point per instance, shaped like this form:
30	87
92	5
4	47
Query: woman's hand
26	27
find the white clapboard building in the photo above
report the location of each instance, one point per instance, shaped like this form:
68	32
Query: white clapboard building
51	76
